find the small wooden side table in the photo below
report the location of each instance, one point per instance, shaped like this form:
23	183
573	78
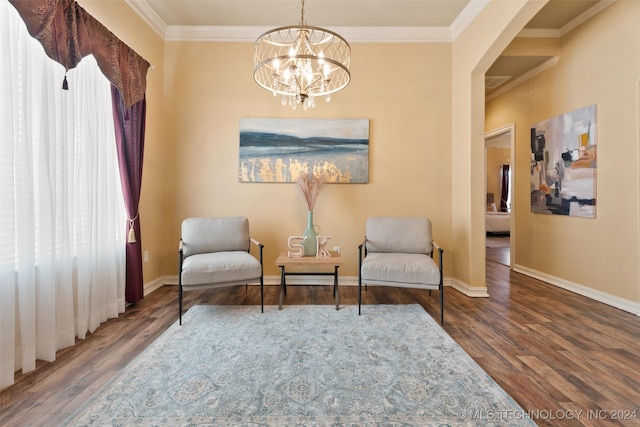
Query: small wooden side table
284	261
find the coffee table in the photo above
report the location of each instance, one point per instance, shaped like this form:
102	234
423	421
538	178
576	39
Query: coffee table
285	261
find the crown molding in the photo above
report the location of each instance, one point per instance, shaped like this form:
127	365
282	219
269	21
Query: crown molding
539	33
148	15
587	14
352	34
217	33
575	22
395	34
468	14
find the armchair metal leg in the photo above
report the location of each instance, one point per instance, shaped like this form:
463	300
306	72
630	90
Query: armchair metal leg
440	252
180	304
261	295
441	305
361	248
180	261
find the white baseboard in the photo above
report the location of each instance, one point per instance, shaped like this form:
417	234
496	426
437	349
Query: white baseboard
470	291
154	285
612	300
324	280
171	280
268	280
275	281
465	289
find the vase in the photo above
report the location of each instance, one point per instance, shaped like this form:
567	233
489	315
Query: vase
309	241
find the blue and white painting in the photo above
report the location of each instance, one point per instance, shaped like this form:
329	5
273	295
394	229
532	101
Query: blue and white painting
281	150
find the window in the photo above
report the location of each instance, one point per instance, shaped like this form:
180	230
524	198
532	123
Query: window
62	217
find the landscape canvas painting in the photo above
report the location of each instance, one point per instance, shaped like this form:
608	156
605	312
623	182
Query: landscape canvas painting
281	150
563	164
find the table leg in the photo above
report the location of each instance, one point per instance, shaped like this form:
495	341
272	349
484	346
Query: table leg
282	285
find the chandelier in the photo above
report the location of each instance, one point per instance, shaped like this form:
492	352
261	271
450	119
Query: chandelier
301	63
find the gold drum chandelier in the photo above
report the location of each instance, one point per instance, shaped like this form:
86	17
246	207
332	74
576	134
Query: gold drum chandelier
301	63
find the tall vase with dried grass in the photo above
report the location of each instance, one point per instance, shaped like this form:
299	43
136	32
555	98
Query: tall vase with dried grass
309	187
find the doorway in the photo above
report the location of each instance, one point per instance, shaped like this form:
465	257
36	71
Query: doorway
500	195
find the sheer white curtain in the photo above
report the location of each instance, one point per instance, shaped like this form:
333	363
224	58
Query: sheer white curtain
62	218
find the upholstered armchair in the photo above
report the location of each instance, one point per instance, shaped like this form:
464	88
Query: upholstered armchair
398	251
214	253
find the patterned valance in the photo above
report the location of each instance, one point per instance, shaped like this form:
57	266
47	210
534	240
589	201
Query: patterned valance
68	33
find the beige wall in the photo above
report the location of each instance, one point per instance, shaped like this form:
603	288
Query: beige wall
404	91
195	101
427	134
599	65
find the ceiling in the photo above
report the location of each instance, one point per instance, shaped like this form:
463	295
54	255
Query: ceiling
363	21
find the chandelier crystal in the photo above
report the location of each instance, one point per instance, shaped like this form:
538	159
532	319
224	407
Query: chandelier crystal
301	63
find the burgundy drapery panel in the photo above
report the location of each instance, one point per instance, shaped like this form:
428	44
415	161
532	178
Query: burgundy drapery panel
505	189
130	126
68	33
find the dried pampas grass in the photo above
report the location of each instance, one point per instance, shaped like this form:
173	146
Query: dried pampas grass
309	188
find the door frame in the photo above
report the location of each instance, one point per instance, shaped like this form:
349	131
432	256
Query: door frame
510	132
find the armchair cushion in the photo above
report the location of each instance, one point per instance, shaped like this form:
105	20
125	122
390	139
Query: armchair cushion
403	235
220	267
205	235
418	269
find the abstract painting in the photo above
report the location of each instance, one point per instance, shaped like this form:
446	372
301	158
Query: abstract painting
563	164
281	150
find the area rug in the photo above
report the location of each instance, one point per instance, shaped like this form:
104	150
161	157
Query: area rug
306	366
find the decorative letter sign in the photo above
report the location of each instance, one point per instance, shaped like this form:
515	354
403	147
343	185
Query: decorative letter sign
322	251
295	244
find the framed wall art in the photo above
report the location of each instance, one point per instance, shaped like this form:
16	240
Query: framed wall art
563	164
281	150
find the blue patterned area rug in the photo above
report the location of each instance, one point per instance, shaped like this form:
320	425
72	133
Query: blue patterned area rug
305	366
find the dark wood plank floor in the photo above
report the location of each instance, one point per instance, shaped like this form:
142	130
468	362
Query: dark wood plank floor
499	255
565	359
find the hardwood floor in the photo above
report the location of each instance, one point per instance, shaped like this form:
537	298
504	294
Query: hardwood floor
499	255
566	359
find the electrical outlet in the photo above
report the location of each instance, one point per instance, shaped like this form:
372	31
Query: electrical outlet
336	249
145	257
